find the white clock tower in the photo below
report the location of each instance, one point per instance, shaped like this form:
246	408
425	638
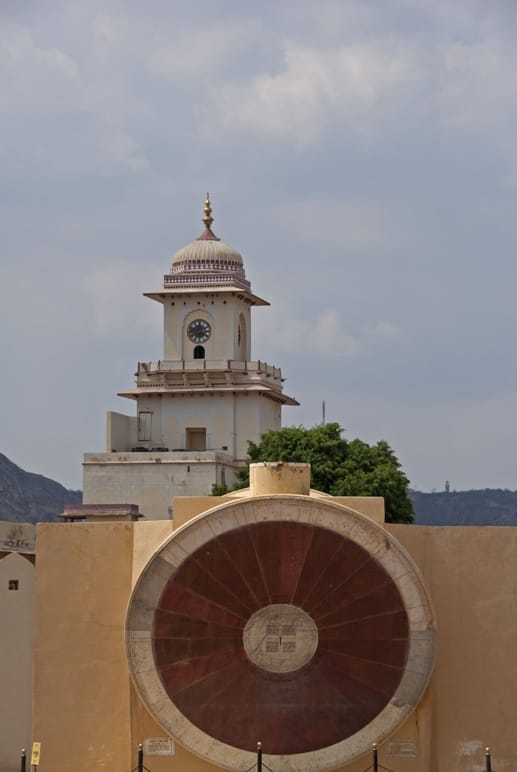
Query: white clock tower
196	408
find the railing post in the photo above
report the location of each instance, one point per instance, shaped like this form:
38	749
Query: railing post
375	765
488	759
140	766
23	761
259	757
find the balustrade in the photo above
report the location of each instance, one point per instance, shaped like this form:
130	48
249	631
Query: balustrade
228	365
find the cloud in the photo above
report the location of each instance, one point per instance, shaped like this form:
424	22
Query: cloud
474	92
341	223
106	31
35	79
329	337
205	51
363	157
109	287
327	334
118	147
52	95
452	72
314	84
383	331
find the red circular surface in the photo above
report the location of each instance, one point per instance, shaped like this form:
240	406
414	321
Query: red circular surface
362	627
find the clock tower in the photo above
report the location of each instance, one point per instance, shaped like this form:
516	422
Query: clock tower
197	408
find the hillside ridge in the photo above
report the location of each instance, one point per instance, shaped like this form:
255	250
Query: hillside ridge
26	497
488	506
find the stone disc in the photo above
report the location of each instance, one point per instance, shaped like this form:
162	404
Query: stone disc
298	629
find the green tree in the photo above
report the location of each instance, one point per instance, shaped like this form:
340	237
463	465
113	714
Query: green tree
339	466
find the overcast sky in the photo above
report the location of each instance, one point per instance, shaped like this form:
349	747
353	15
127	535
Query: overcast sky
360	154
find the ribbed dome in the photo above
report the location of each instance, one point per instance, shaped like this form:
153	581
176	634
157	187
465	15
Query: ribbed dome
207	262
207	253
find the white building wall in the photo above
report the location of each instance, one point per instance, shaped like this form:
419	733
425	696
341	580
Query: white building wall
151	480
230	421
221	311
172	414
254	415
121	432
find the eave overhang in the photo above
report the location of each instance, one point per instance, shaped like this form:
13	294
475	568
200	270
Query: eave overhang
276	396
161	296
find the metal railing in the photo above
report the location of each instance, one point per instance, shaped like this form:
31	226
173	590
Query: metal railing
140	763
260	765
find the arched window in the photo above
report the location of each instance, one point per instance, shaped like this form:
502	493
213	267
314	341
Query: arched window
199	352
241	338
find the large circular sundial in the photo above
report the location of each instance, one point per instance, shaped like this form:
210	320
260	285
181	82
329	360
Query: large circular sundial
284	619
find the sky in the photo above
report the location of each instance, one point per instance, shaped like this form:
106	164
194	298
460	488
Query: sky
362	157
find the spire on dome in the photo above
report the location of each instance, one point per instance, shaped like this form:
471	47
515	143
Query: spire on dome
208	219
208	234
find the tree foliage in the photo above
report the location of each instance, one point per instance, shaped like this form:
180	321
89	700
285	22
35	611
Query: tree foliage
339	466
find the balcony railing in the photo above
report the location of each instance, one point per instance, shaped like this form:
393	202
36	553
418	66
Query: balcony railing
209	365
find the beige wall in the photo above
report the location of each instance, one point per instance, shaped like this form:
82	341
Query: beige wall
254	415
472	576
16	659
230	420
84	704
121	432
151	480
188	507
81	681
220	310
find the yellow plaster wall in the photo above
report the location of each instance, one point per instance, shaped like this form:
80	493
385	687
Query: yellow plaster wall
81	681
146	540
187	507
472	577
87	715
369	506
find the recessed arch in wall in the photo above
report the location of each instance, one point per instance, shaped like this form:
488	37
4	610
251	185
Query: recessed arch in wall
198	331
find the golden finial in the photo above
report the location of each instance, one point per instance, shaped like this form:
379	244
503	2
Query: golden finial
208	219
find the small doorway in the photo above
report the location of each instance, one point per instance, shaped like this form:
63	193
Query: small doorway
195	439
199	352
144	425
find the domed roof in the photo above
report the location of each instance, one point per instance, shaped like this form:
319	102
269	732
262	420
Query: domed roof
207	260
205	252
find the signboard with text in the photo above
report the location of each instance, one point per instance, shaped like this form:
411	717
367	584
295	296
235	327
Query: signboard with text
158	746
36	749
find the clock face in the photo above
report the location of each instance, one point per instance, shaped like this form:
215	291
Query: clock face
199	331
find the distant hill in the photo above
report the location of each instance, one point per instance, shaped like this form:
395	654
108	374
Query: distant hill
477	507
31	498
